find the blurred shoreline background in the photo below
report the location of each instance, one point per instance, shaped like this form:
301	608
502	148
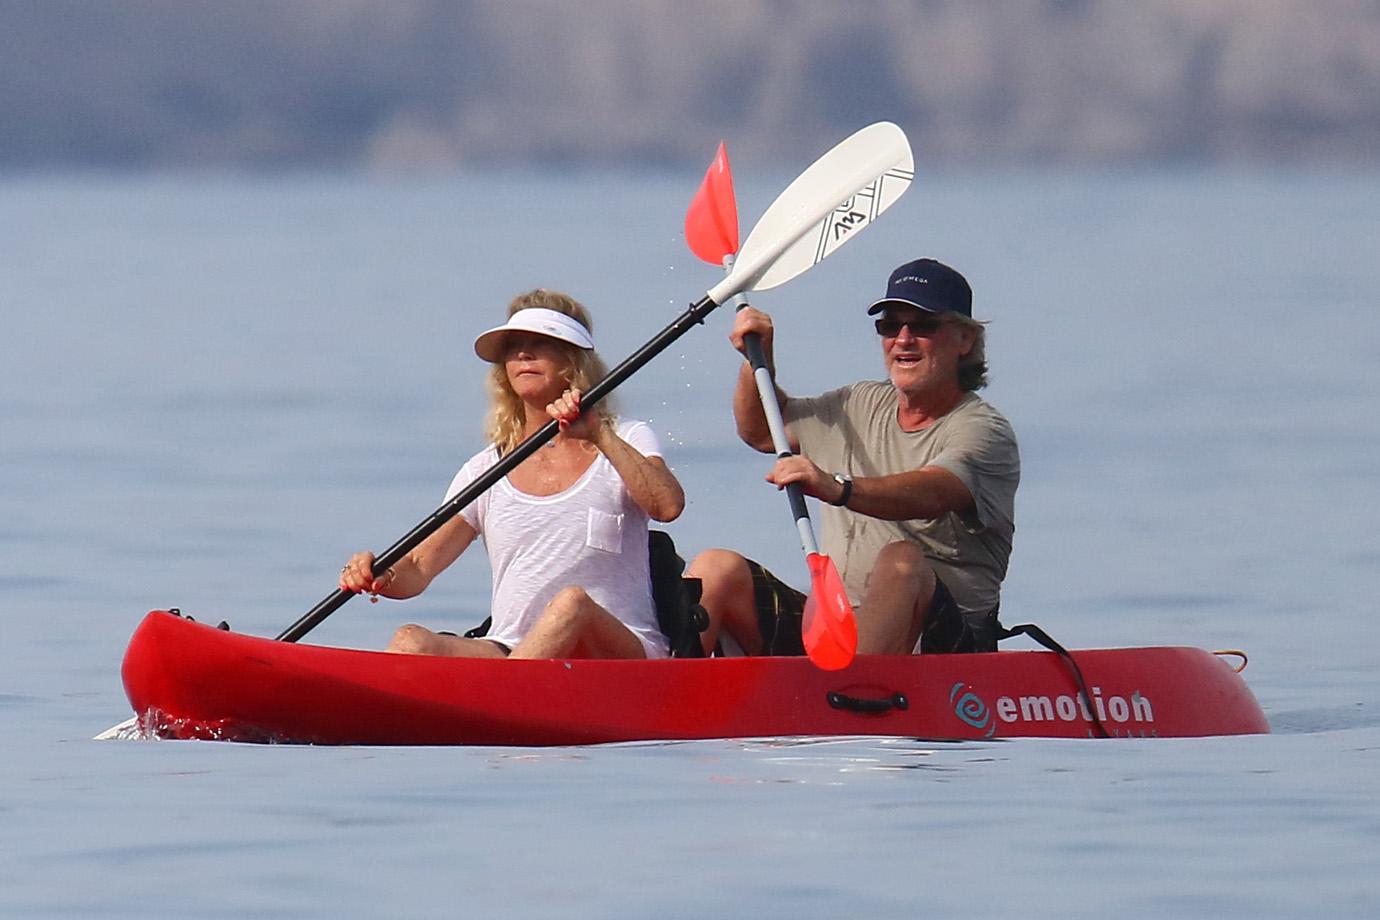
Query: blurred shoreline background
426	86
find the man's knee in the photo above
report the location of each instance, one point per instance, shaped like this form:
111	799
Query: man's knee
720	571
902	558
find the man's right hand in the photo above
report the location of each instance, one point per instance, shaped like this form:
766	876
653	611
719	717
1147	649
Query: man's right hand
749	320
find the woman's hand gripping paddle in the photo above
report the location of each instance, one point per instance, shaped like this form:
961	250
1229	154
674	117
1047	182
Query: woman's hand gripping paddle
829	631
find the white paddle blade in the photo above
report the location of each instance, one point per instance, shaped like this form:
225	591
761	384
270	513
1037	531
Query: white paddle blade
125	731
826	206
837	228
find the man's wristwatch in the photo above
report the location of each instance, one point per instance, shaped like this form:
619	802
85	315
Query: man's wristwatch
846	481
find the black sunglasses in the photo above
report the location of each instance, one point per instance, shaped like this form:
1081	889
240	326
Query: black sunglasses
919	327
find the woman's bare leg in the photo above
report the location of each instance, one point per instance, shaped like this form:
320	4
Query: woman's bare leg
574	626
418	640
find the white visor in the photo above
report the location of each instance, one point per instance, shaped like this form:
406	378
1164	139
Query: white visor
539	320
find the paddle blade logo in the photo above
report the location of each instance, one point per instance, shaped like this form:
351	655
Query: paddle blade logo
829	629
842	224
861	209
972	711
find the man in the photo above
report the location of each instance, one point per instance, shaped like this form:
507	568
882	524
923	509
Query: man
918	478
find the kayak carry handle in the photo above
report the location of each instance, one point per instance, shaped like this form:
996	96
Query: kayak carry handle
858	704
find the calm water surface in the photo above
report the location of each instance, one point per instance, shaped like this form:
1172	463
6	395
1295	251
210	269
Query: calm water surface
213	390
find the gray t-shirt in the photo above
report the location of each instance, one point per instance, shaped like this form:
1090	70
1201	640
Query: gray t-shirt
854	430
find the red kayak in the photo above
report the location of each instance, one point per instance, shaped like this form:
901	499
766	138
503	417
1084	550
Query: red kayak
190	680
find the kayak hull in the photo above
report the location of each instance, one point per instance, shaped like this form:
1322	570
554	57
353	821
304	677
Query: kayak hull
190	680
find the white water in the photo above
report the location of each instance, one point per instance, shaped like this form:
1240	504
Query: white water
212	391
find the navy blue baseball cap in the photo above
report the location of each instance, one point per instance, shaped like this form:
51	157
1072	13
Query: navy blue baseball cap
929	285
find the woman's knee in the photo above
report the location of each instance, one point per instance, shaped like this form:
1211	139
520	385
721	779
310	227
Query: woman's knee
570	603
411	640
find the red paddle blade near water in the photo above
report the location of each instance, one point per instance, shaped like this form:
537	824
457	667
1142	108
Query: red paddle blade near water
829	628
711	223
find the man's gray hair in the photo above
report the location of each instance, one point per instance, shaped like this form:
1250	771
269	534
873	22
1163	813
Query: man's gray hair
972	367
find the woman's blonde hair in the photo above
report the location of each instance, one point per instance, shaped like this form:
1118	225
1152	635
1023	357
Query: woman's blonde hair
507	416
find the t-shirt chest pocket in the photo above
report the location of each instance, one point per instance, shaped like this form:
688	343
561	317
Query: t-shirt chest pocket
605	531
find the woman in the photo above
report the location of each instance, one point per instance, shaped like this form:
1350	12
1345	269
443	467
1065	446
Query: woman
566	531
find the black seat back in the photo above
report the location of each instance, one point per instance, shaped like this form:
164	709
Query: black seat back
677	598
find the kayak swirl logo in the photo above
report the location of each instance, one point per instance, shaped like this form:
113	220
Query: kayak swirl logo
971	710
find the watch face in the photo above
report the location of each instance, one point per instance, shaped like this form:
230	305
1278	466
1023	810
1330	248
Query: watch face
846	484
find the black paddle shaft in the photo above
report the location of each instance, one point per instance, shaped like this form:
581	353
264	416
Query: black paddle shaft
693	316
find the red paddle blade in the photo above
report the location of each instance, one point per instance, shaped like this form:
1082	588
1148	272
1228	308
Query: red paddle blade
829	628
711	223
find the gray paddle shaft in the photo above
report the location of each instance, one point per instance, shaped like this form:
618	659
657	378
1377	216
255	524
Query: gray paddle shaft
766	390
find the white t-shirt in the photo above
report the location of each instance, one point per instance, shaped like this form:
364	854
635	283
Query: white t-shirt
592	535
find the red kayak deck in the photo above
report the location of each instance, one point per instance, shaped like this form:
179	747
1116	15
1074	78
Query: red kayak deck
190	680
